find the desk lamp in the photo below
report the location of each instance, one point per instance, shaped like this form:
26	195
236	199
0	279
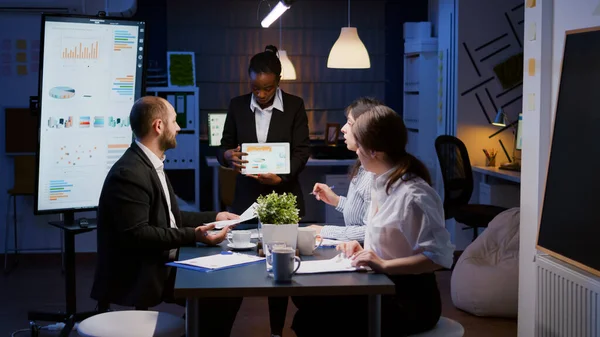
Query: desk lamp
501	120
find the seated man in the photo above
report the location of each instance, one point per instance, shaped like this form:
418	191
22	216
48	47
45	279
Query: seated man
140	226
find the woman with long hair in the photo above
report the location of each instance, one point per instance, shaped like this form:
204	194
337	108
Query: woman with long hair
405	239
355	204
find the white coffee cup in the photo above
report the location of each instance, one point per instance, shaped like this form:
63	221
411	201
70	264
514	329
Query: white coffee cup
240	238
306	240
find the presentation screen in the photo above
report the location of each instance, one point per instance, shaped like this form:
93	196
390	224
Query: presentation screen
90	75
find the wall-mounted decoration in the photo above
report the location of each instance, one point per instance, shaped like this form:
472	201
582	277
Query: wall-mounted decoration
531	102
530	3
531	67
181	69
510	71
531	32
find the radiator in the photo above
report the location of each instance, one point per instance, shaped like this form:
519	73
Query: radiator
568	303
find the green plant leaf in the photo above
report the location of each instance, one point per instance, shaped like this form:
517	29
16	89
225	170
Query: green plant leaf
278	209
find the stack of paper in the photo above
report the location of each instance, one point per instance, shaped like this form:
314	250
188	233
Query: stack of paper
248	214
217	261
334	265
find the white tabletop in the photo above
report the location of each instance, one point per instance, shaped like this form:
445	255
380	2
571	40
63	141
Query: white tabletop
213	162
513	176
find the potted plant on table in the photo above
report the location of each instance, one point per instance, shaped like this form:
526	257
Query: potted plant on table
278	218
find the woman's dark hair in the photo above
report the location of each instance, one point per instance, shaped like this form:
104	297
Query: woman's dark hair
357	108
266	62
381	129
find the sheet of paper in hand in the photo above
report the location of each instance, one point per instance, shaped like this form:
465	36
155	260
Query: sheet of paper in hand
248	214
267	158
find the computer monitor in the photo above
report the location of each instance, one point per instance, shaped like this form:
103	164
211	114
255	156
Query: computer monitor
519	139
216	123
91	72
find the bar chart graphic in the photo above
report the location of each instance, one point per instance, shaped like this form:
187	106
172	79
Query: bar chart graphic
123	40
123	86
115	151
79	50
59	189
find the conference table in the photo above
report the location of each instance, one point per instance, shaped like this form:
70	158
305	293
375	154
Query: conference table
252	280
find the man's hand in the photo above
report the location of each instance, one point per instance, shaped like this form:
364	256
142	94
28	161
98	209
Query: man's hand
266	178
234	157
203	235
226	216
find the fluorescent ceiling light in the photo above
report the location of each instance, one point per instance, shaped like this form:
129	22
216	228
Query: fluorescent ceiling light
281	7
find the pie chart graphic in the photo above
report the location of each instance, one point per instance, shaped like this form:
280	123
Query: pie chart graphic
62	92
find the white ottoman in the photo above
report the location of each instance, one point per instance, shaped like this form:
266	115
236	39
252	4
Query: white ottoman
444	328
132	323
485	280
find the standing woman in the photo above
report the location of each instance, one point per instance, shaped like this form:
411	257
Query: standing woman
355	205
266	115
405	239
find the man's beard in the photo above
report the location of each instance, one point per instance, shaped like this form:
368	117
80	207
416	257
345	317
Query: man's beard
167	141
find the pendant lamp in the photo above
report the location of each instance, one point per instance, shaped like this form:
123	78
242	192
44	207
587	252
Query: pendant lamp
348	52
288	72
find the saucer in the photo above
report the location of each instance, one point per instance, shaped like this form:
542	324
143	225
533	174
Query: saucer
241	247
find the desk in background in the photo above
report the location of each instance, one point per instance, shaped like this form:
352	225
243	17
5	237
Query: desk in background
498	187
307	178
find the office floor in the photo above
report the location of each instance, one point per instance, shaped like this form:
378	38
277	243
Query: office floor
37	284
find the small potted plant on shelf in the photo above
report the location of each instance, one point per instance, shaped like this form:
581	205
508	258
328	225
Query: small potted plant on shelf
278	218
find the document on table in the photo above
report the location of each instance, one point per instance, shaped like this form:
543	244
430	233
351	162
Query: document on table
266	158
248	214
218	261
333	265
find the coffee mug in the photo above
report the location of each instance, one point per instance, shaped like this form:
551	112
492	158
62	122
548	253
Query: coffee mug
306	240
240	238
283	264
268	249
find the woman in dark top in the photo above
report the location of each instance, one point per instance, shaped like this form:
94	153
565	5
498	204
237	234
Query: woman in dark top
266	115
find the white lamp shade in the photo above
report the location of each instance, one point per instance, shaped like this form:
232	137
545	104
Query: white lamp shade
288	72
348	52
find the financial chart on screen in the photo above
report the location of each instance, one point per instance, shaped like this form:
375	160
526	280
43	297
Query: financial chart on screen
90	76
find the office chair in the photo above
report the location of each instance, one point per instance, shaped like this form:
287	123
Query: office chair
458	186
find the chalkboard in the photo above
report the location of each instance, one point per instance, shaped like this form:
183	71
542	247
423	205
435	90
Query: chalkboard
570	223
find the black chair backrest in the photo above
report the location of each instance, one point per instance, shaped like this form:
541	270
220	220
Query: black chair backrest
456	172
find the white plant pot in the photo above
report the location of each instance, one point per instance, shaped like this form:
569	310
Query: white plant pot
285	233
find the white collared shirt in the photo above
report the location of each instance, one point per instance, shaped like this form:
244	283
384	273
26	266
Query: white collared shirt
159	167
262	117
408	221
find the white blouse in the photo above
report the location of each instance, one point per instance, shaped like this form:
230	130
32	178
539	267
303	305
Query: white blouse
408	221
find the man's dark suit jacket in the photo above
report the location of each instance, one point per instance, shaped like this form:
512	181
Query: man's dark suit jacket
289	126
134	233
